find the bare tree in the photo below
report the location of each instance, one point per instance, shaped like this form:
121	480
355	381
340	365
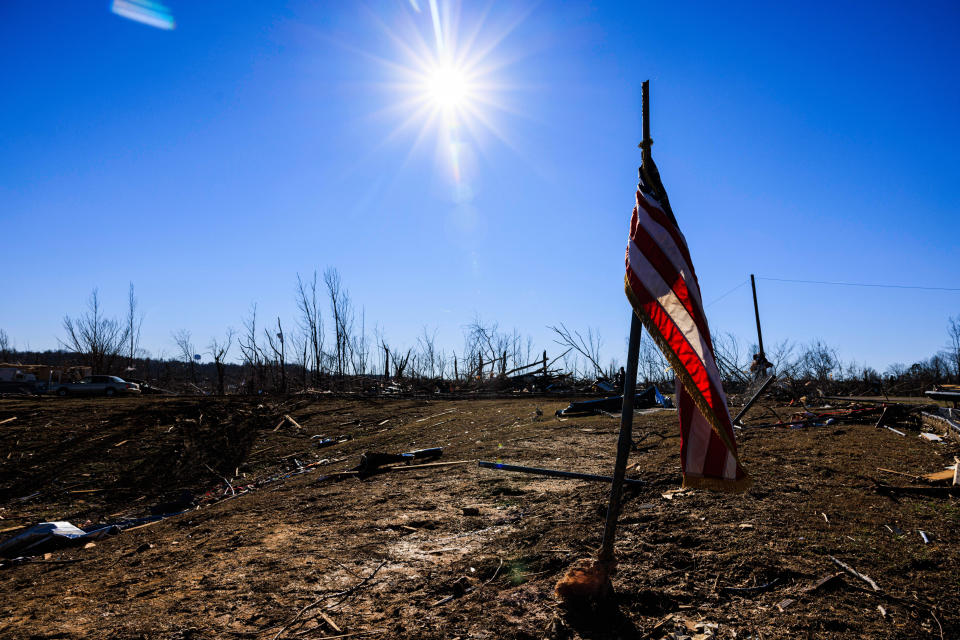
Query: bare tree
279	353
588	347
938	368
651	365
134	322
301	350
4	346
782	357
400	363
896	371
311	324
252	356
731	360
342	310
819	361
218	350
442	365
486	345
386	357
99	339
426	343
360	350
953	345
184	344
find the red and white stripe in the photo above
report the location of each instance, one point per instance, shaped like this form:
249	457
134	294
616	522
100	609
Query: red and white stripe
665	293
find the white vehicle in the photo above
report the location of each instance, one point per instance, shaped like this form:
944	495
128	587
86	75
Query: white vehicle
96	385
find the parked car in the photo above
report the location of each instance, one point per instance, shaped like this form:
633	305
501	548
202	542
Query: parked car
96	385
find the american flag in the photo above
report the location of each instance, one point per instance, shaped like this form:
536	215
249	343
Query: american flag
665	294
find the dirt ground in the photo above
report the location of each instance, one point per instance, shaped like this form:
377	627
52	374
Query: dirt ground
458	551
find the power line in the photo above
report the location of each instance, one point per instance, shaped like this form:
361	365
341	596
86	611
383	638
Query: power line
726	294
862	284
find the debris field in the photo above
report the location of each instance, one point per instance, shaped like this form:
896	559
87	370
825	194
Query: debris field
278	535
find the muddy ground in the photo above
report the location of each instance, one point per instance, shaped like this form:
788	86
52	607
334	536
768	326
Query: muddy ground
458	551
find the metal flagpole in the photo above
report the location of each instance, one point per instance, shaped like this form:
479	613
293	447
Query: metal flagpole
624	441
629	385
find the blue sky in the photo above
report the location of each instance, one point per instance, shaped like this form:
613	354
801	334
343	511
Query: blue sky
211	163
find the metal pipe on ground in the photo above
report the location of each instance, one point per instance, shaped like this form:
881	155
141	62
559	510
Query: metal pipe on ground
555	473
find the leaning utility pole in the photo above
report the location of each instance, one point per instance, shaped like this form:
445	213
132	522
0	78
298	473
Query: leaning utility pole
756	313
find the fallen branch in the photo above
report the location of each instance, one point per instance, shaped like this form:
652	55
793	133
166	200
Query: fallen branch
757	589
327	596
854	572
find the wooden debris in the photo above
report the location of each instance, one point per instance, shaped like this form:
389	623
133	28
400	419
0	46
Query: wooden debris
883	612
854	572
657	627
292	421
443	413
825	581
936	476
8	420
330	623
940	476
146	524
785	604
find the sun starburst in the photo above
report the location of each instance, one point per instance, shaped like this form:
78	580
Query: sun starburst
448	83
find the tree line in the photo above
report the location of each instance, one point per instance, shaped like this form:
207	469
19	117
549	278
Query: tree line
329	345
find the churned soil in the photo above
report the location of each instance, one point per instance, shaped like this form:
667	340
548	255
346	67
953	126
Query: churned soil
458	551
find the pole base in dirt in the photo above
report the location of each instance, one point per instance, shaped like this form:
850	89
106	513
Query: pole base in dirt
587	580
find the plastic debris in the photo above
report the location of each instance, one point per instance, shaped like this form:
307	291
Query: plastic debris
52	535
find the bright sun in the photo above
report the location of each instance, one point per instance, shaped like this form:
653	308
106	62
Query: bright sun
449	82
447	87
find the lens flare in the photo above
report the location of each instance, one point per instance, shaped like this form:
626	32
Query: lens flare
145	12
